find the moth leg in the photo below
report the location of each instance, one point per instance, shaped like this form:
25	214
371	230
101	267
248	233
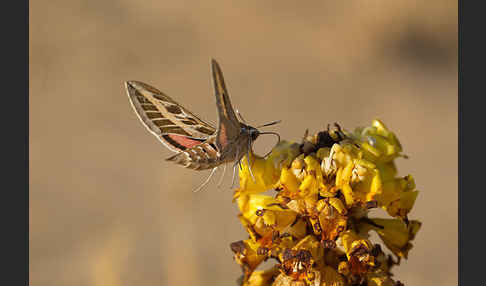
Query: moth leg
234	166
248	161
234	175
207	180
222	176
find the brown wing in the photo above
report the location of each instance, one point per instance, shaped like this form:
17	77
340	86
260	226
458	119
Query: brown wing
172	124
228	126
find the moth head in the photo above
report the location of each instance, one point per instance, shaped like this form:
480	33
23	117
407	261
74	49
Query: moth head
252	132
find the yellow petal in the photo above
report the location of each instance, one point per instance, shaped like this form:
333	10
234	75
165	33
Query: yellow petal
330	277
379	279
338	205
288	181
396	234
352	241
348	194
311	244
261	278
308	186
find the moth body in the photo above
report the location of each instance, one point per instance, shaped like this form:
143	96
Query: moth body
200	146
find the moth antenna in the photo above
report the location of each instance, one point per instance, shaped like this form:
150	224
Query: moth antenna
239	115
248	160
207	180
270	124
222	176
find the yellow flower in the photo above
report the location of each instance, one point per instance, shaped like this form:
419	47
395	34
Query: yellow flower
380	279
316	224
330	277
266	171
404	197
353	242
324	276
247	256
379	144
297	261
289	183
261	278
332	219
395	233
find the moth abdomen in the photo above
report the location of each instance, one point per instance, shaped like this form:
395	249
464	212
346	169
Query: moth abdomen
200	157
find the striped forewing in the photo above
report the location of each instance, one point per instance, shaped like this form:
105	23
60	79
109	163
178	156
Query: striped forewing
175	126
228	125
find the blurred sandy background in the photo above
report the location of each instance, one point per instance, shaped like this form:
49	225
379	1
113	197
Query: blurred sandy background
107	210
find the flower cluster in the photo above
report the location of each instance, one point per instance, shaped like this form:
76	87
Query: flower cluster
315	222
